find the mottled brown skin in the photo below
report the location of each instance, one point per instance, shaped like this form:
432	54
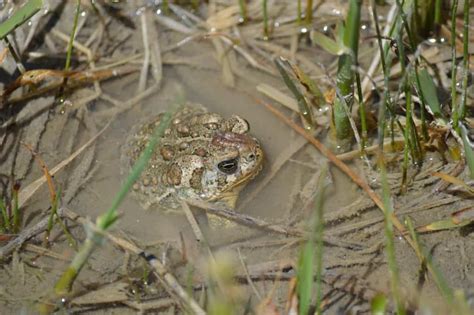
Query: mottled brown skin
202	157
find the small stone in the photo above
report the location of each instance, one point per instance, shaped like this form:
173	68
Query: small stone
136	186
146	181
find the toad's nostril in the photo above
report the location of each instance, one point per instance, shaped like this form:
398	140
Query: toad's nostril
251	156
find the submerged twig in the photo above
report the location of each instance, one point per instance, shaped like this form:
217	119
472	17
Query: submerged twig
54	80
256	223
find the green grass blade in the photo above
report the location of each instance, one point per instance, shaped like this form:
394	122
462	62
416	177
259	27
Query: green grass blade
378	305
15	208
309	12
166	7
317	96
19	17
469	154
53	214
54	208
437	275
305	277
104	221
428	89
465	63
454	103
330	45
318	234
312	252
303	106
446	224
408	105
351	31
389	237
345	72
265	19
5	226
71	38
362	112
243	10
437	14
410	72
384	104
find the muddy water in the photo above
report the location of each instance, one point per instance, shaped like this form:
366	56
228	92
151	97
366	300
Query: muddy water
272	203
279	201
287	199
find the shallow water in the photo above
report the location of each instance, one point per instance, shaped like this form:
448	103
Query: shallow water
195	75
205	87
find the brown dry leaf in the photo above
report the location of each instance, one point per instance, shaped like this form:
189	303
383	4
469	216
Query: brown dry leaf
442	225
458	219
436	140
454	180
330	95
47	80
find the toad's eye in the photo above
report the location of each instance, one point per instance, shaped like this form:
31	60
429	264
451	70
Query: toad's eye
228	166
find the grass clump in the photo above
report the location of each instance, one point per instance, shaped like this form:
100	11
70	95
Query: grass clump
345	73
10	220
